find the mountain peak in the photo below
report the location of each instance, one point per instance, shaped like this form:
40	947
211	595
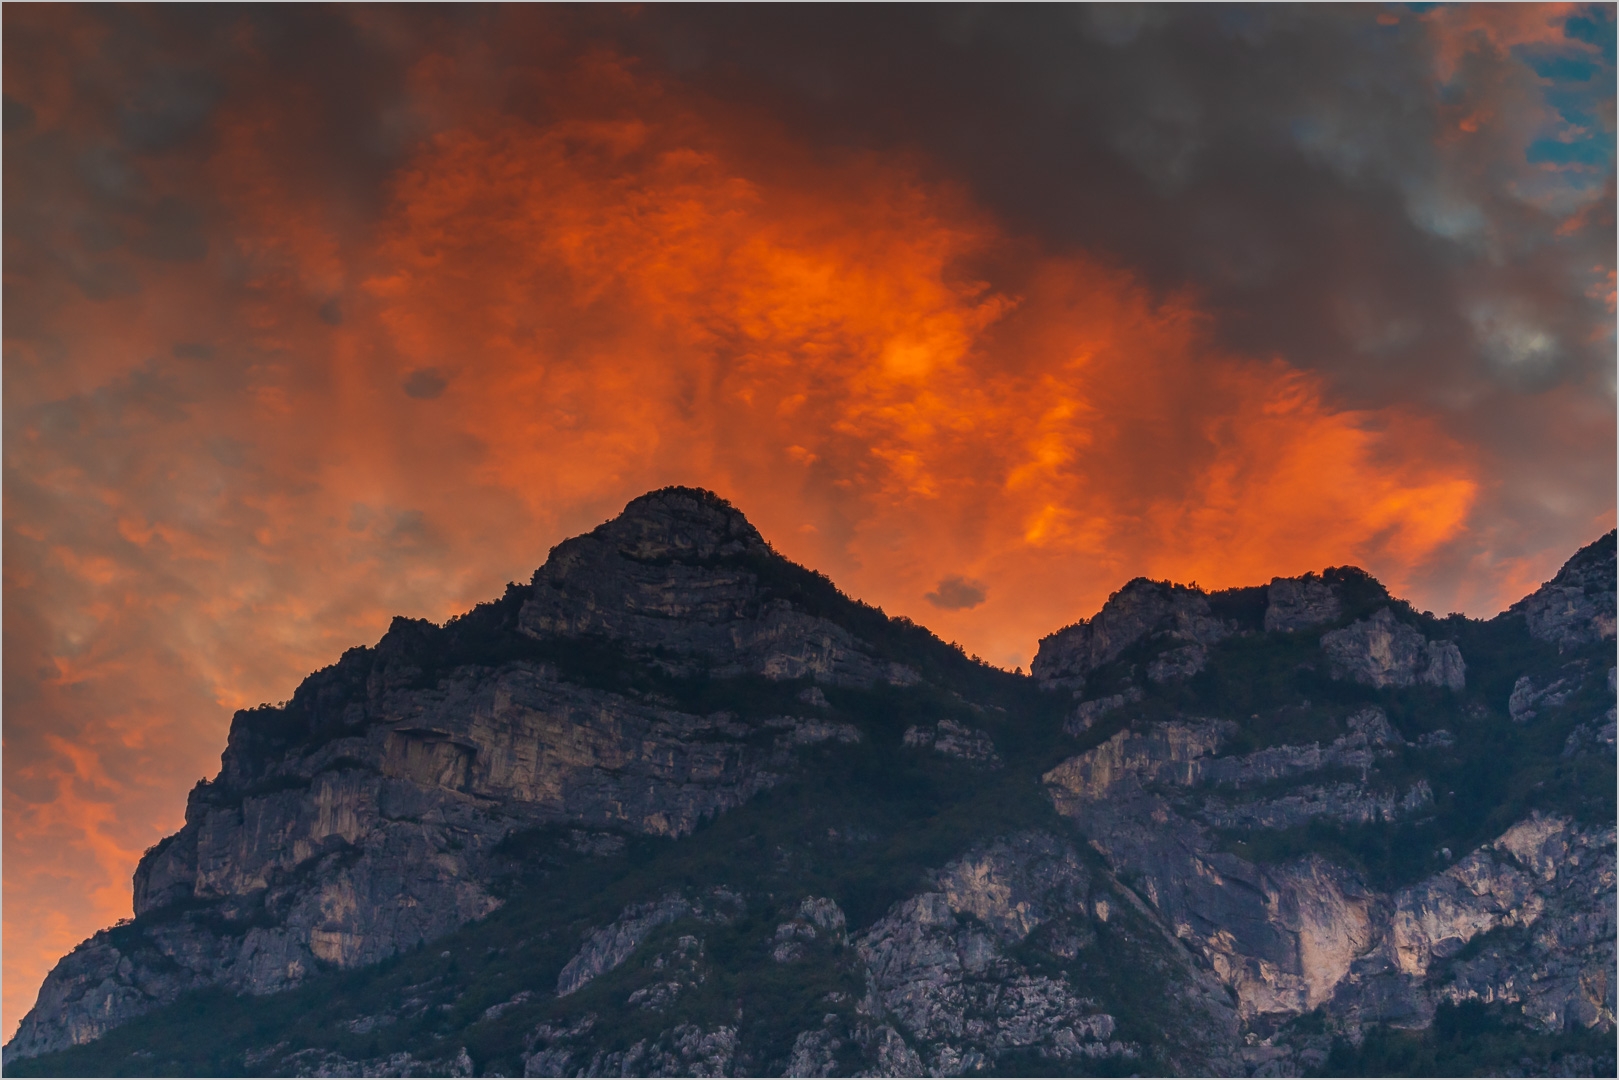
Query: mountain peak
682	523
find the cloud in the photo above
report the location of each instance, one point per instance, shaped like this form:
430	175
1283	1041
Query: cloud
956	594
425	384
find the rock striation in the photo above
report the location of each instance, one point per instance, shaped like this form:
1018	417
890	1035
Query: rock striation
1540	900
606	948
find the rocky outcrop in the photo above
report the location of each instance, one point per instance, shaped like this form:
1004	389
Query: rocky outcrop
1280	937
328	1063
938	967
948	981
1596	737
1526	699
1182	754
815	1053
1087	713
1300	603
954	740
1577	606
1381	651
391	841
608	947
1140	610
1181	663
1347	802
818	917
684	1050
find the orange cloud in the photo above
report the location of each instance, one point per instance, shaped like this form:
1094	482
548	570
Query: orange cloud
635	296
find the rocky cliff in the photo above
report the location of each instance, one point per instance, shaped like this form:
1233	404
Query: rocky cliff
678	807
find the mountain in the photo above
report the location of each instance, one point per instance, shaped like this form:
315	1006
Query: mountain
680	807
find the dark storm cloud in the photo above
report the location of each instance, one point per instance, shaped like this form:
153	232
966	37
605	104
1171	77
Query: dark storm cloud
1417	206
166	110
1300	167
172	232
425	384
1285	161
957	594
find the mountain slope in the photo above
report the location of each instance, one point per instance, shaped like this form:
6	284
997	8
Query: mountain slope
681	807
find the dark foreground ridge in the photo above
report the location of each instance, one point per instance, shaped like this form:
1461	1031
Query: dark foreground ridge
680	807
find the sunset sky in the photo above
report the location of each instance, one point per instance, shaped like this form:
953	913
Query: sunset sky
315	316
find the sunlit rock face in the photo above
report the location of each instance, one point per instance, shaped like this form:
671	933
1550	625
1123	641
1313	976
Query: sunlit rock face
1280	937
1289	937
1164	870
1382	651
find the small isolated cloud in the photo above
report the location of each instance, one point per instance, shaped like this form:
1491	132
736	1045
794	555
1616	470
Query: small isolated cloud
956	593
425	384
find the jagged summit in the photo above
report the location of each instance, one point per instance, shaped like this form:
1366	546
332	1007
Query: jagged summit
1144	609
682	571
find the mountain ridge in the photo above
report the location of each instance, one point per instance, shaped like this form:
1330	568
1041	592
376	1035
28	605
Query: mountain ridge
669	670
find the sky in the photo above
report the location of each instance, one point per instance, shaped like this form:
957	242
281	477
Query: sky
314	316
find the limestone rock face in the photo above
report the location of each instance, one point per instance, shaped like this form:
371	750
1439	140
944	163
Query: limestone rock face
1577	605
1280	937
950	983
1382	651
1544	893
1288	937
1139	610
610	946
1526	699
